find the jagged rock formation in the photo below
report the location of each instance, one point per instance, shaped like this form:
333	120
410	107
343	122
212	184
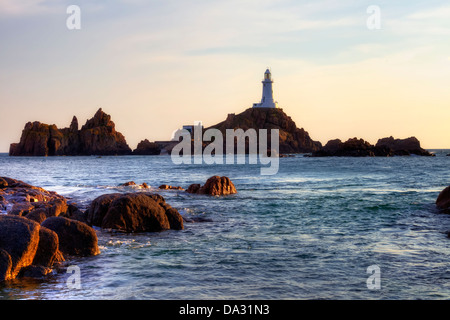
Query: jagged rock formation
97	137
292	139
385	147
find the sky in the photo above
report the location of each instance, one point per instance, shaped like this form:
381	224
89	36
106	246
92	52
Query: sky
157	65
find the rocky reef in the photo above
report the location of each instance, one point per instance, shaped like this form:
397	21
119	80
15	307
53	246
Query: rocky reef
385	147
38	231
97	137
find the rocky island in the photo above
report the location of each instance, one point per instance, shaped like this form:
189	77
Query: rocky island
292	138
97	137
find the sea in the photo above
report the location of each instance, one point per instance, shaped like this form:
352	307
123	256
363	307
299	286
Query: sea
337	228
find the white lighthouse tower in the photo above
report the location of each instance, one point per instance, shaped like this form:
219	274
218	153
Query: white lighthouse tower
267	95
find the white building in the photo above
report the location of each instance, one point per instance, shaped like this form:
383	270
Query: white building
267	95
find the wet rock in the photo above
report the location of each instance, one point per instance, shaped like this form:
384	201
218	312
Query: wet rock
19	237
443	200
196	219
127	184
3	183
38	215
215	186
77	214
75	238
5	265
167	187
21	209
48	247
99	207
193	188
35	271
175	219
135	185
134	212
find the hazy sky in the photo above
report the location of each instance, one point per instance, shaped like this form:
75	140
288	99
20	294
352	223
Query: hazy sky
156	65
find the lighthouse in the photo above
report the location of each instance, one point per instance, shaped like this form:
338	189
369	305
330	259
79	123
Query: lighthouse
267	95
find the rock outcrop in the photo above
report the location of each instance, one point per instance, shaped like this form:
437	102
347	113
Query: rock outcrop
215	186
133	212
75	238
21	199
19	239
443	200
146	147
292	139
401	147
134	185
97	137
385	147
167	187
35	231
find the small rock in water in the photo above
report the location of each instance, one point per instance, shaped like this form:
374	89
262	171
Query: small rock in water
215	186
443	200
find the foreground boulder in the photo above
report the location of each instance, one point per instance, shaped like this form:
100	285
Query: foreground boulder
215	186
29	248
19	239
48	249
75	238
134	212
443	200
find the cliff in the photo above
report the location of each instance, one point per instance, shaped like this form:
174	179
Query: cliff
97	137
292	139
